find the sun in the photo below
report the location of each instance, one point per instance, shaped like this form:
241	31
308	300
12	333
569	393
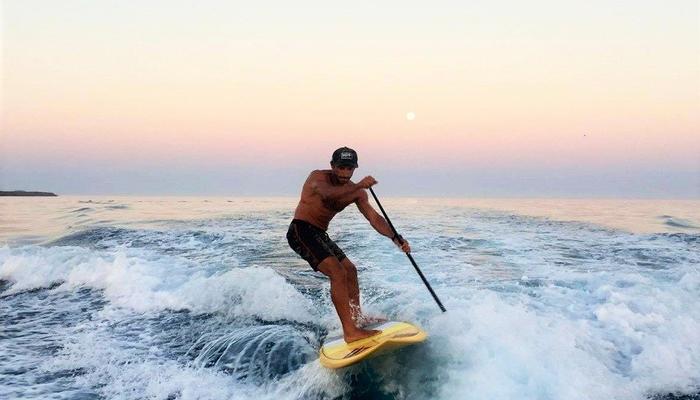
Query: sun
410	116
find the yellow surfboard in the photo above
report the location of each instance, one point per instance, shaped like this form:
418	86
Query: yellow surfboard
335	353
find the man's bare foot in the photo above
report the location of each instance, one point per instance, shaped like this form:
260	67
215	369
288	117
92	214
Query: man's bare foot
359	334
366	320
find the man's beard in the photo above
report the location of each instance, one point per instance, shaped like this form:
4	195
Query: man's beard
341	179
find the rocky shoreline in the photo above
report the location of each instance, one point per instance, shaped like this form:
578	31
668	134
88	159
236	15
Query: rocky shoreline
25	193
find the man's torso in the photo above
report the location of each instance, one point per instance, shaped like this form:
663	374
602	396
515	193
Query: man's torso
313	208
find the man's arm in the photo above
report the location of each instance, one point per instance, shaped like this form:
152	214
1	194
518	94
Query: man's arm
377	221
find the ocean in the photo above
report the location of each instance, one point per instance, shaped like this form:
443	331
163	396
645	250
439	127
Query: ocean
106	297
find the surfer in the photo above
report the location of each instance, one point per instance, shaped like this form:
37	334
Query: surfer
324	194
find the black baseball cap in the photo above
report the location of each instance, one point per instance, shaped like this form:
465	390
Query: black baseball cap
344	156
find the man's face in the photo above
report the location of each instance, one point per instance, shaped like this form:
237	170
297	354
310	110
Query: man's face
342	173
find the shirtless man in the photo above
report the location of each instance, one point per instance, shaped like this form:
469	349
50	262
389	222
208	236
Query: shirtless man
324	194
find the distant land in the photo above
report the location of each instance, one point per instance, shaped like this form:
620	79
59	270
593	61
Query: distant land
25	193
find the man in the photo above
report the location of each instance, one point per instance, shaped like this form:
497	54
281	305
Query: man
324	194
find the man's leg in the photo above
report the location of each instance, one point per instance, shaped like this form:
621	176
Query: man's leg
353	288
354	293
340	295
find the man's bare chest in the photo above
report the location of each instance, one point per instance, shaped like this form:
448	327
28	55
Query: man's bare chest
335	205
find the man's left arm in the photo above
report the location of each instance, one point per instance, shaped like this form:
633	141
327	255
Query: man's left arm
378	222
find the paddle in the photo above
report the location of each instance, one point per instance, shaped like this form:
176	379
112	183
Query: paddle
425	281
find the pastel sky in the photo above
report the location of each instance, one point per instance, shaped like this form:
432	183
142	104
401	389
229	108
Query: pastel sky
488	98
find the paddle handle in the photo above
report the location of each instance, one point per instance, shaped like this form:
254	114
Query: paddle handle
410	257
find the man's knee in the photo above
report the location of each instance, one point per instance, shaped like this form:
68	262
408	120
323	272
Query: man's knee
333	269
349	267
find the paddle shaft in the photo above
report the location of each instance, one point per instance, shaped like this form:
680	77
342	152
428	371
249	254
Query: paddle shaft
420	273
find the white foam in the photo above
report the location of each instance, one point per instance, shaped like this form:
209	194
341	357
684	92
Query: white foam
496	350
617	333
118	370
140	281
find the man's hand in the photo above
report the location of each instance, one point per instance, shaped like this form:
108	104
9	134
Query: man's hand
367	182
403	244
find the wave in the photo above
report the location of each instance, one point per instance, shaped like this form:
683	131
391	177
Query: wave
118	207
167	241
82	210
114	370
100	237
256	354
678	222
147	281
96	201
687	238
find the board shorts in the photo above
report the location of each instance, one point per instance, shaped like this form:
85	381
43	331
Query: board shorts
312	243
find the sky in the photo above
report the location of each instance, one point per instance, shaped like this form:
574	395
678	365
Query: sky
475	99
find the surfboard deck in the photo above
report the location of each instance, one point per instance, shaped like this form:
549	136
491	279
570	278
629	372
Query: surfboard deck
335	353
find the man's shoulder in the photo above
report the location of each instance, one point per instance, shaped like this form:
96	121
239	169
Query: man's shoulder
319	173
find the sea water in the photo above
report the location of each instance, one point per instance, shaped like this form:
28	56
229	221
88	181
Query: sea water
201	298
